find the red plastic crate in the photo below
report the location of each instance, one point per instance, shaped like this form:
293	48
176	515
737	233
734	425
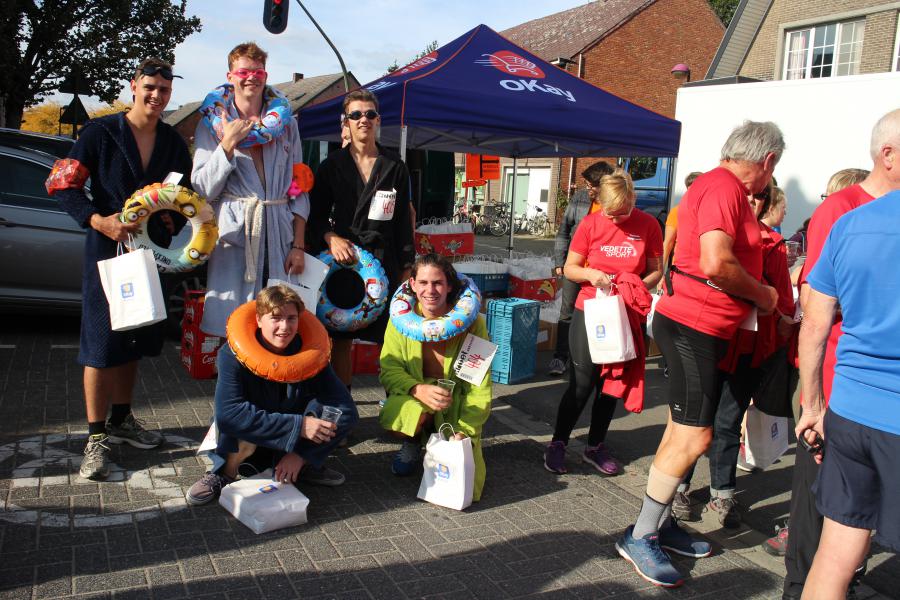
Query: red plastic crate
542	290
366	358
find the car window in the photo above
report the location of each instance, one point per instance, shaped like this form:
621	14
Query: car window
642	167
22	183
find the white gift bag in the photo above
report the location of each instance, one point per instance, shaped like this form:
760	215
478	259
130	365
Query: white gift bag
263	504
652	312
308	283
608	331
449	476
765	438
131	284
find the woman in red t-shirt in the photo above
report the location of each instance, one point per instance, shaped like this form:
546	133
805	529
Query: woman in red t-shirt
618	238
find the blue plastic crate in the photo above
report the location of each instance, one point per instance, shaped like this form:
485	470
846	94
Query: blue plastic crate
513	321
514	363
491	283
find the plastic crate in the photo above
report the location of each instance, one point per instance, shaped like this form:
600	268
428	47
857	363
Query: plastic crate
513	321
514	363
490	283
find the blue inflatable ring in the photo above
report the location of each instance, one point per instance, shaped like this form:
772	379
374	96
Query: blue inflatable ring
374	300
215	109
417	327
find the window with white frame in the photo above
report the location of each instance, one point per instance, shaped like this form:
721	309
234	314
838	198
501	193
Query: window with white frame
824	50
897	47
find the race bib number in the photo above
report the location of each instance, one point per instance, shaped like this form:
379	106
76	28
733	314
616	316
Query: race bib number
382	205
474	359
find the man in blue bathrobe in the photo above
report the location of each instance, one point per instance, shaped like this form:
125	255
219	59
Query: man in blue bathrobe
120	153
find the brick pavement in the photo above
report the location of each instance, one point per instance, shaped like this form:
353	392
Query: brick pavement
134	537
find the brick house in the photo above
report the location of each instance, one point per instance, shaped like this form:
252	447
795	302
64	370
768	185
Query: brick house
626	47
803	39
300	91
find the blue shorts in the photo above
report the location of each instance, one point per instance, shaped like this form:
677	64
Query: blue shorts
859	480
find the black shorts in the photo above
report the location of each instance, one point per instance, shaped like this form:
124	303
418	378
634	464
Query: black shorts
859	481
695	382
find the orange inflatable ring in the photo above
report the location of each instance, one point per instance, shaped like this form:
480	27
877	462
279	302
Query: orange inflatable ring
312	358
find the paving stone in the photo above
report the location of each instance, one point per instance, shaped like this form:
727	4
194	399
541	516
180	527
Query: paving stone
110	581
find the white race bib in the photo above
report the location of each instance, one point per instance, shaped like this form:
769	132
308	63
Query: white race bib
474	359
382	206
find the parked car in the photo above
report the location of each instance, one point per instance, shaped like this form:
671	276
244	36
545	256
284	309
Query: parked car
42	247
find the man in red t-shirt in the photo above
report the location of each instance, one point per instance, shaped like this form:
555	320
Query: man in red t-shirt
715	284
805	520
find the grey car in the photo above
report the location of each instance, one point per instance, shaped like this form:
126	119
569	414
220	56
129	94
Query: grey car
41	247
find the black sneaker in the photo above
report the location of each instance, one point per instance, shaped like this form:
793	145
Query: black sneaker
207	488
726	510
321	476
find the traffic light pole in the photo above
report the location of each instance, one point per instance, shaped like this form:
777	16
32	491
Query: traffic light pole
338	54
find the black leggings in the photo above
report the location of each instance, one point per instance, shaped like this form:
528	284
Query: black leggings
584	382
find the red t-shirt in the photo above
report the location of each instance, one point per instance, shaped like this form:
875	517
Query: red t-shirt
717	200
832	208
615	248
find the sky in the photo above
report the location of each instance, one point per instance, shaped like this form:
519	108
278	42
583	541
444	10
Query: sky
369	35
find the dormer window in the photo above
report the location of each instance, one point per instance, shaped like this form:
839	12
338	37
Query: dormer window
827	50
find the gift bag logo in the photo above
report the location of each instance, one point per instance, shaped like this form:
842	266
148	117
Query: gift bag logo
268	488
442	471
601	332
127	290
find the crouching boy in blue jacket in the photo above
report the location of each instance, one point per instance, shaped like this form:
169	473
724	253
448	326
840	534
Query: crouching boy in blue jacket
252	411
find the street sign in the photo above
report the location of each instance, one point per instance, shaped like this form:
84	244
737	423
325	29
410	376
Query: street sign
74	113
75	83
481	166
474	183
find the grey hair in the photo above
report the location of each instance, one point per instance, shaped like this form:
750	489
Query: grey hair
885	132
753	141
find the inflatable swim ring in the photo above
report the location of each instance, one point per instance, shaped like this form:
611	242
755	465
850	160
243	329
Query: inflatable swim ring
312	358
374	299
277	112
417	327
157	196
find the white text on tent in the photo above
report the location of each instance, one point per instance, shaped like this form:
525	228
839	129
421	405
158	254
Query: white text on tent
517	85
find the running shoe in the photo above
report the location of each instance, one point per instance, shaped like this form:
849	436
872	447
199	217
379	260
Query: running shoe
95	464
726	510
132	431
675	539
682	508
777	544
207	488
407	459
601	459
557	367
648	559
322	476
555	458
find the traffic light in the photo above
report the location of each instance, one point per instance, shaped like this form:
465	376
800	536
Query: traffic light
275	15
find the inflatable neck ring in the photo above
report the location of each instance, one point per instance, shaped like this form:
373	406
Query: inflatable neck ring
291	368
374	299
155	197
417	327
276	112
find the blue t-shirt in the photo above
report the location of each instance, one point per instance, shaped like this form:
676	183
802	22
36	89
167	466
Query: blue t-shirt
858	266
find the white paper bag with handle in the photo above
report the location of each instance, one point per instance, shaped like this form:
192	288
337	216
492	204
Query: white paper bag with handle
131	284
263	504
765	438
449	477
308	283
608	331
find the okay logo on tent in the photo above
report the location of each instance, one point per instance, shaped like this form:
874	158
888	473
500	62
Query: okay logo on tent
511	63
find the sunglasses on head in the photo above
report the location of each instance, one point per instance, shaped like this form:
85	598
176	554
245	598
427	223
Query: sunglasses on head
164	72
245	73
356	115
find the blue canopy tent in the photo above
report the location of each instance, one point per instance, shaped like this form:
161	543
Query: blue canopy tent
482	94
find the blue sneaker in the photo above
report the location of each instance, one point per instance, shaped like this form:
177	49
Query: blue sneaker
677	540
407	459
648	559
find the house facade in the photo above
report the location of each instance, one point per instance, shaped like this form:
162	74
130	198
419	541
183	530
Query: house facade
626	47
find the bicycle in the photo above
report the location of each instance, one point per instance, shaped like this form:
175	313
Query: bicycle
498	221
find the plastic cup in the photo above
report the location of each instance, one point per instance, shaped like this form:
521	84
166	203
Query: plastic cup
331	414
447	384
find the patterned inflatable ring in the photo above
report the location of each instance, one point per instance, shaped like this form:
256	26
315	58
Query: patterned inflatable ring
277	112
156	197
313	356
456	321
374	299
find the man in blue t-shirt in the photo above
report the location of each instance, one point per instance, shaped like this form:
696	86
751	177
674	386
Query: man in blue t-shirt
858	484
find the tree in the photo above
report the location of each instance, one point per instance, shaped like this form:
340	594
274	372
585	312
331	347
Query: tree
41	40
428	50
724	9
44	118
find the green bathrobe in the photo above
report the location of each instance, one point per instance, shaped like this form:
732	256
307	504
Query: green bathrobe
401	369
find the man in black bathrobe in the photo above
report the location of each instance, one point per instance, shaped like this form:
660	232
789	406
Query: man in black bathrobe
120	153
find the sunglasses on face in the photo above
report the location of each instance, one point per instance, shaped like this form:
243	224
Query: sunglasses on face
245	73
356	115
164	72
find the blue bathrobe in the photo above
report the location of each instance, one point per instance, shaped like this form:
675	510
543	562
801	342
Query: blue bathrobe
107	148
